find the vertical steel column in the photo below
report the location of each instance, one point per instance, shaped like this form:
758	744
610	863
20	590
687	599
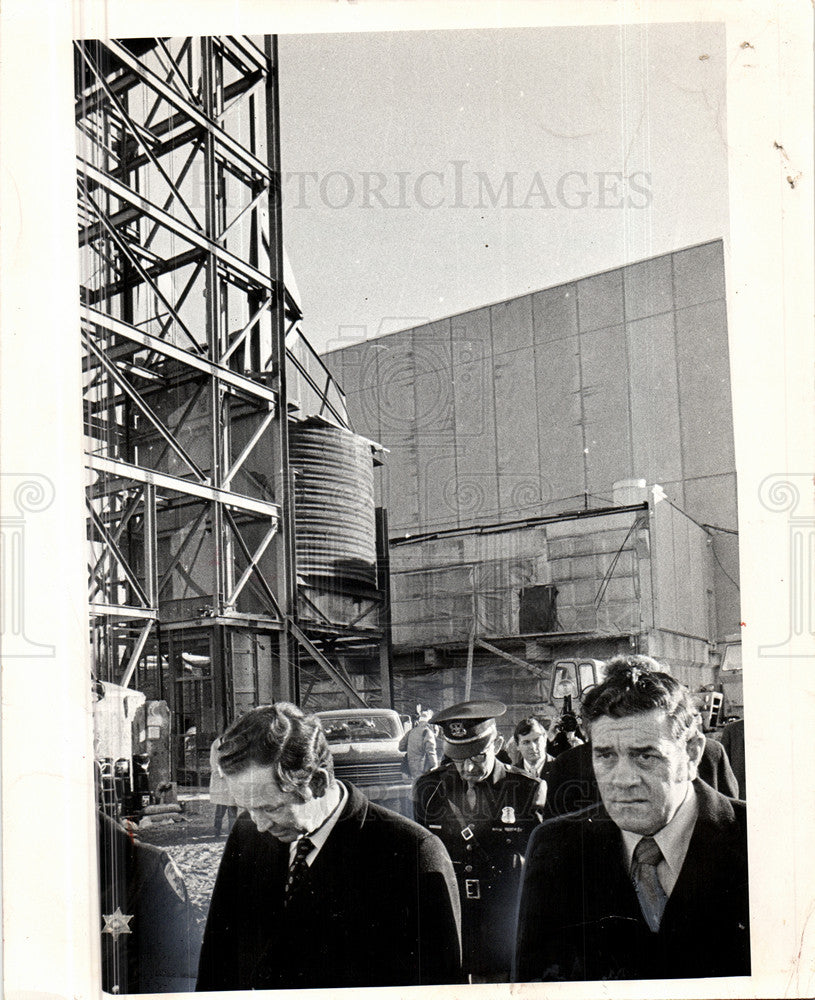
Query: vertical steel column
285	553
213	314
383	584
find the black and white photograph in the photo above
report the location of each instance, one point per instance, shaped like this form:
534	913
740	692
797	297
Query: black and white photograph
425	513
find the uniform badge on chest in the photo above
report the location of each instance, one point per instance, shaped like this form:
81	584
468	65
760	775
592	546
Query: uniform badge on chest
508	815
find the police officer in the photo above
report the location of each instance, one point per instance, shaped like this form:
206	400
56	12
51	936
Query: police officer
149	940
484	811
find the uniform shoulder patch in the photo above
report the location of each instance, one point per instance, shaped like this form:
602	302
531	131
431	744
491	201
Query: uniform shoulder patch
173	876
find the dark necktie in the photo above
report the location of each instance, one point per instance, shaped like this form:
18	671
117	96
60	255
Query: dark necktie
471	798
297	868
647	856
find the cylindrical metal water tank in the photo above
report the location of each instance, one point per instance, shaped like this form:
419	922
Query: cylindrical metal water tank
335	530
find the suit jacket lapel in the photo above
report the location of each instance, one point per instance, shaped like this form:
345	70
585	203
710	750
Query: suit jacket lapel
608	886
703	862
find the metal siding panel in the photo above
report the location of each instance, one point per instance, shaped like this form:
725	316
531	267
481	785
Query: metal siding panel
519	482
726	583
555	313
704	390
605	407
476	461
400	484
600	301
656	443
430	345
712	500
363	412
435	451
648	288
512	325
560	434
675	492
395	377
699	274
683	609
662	559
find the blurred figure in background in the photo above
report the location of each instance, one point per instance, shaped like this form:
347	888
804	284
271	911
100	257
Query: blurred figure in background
420	745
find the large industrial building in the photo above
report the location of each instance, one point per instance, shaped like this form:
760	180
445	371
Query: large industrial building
231	521
440	513
560	480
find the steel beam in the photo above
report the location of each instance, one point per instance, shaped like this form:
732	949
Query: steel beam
101	321
101	463
512	659
326	664
180	229
172	97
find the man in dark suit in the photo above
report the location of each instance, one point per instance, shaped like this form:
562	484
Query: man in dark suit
652	884
484	811
570	776
732	740
318	887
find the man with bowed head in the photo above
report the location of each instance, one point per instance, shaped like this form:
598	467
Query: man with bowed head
318	887
483	811
652	883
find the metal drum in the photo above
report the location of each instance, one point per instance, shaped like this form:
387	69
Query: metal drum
334	503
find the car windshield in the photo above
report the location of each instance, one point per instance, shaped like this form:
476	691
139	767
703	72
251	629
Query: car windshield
356	728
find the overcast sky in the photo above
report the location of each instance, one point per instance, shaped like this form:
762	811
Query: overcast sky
428	173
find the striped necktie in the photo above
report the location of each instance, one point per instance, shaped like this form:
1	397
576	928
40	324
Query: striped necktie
297	868
647	856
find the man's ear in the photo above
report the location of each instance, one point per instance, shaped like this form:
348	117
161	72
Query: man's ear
319	783
498	742
695	748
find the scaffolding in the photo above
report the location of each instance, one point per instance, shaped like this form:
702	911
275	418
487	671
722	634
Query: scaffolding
195	366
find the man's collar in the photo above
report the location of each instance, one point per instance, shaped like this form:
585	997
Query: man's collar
674	838
319	836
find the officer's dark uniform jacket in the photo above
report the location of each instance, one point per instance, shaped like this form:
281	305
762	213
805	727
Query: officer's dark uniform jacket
486	842
147	927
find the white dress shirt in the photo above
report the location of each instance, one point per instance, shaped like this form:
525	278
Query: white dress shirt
673	840
534	770
320	835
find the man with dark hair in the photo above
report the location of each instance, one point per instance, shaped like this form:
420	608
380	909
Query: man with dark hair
652	884
318	887
570	776
530	740
484	811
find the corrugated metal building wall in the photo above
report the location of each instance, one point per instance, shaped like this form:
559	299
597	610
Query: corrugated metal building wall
540	404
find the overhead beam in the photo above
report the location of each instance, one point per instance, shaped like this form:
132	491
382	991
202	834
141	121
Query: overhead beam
101	321
194	114
326	664
168	221
100	463
512	659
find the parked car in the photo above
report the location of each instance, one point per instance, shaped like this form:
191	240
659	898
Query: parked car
364	743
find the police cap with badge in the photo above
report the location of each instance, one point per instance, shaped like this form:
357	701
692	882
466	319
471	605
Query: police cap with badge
468	727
